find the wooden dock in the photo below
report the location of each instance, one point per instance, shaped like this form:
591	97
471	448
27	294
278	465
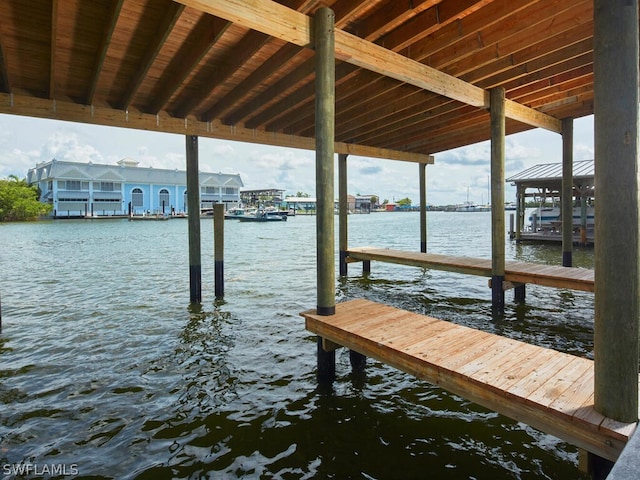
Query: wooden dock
549	390
573	278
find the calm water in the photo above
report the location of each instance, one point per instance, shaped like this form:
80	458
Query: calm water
109	372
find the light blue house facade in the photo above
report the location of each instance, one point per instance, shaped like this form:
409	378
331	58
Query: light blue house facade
89	189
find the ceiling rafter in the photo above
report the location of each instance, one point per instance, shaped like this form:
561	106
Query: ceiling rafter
173	12
205	34
54	44
250	44
347	72
105	40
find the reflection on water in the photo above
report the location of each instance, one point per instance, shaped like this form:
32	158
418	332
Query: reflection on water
106	366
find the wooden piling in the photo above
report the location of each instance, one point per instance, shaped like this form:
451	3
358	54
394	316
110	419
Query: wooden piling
422	167
567	192
616	209
325	134
497	111
343	212
218	249
616	129
193	205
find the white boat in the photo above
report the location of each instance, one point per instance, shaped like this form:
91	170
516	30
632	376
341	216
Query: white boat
236	213
264	216
550	218
472	207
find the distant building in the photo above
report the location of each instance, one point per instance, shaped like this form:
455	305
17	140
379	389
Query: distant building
81	189
265	196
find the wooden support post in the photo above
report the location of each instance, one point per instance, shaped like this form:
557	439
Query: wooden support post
497	199
423	206
583	221
343	213
521	202
520	293
616	247
366	266
218	249
325	130
567	192
326	362
358	361
193	202
325	135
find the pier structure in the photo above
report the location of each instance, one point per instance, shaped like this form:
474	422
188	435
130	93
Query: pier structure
388	80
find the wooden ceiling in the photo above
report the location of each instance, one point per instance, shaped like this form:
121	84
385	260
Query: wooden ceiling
412	76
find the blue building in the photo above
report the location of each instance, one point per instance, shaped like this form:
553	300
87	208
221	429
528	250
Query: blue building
89	189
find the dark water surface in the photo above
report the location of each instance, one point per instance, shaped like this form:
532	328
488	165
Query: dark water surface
108	371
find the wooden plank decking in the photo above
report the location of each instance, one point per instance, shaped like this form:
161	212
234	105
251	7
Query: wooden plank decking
549	390
517	272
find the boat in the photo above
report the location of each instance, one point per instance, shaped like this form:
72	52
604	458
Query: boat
264	216
472	207
549	218
235	213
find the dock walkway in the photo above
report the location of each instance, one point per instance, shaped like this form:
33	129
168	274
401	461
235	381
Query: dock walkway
573	278
549	390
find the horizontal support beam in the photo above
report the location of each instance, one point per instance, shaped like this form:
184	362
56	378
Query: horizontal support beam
73	112
273	19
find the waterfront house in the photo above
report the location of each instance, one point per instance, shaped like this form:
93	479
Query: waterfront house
91	189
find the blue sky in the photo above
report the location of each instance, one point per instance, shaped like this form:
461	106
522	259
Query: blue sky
26	141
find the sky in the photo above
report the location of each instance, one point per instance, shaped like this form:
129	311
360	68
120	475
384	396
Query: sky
457	176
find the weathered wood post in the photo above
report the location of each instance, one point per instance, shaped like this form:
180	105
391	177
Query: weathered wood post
344	210
521	206
567	192
422	167
218	249
616	226
325	131
497	112
193	205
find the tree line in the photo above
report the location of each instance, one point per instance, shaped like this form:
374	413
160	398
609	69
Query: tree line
19	201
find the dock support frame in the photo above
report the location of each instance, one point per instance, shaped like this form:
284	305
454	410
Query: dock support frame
193	206
325	149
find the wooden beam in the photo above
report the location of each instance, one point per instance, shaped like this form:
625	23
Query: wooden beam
281	22
110	25
5	84
162	32
99	115
206	33
52	58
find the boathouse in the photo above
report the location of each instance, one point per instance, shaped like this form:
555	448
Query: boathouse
542	184
76	189
401	81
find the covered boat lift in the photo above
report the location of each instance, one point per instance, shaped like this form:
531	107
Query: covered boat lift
543	184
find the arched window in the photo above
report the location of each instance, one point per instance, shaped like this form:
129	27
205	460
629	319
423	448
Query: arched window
164	198
137	198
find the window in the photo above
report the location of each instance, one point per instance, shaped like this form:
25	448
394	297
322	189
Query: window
137	198
107	186
230	191
72	185
164	198
210	190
